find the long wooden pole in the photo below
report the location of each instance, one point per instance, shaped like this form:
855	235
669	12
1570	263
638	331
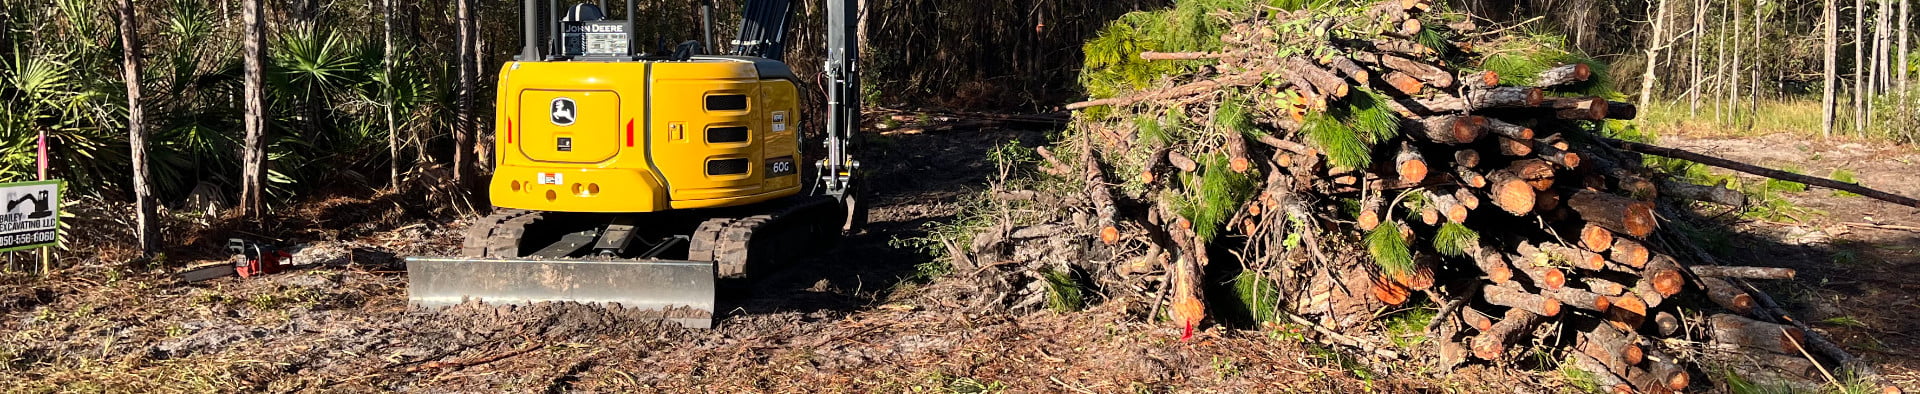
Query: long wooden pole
1765	172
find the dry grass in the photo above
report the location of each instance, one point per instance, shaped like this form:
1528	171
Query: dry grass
1797	117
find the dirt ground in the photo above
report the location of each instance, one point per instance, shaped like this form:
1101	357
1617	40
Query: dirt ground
1858	259
853	321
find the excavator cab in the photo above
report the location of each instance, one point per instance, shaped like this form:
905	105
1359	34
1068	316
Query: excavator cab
637	179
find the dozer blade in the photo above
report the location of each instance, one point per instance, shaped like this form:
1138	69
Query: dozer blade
677	291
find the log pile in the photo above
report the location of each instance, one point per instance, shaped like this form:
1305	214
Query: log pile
1358	160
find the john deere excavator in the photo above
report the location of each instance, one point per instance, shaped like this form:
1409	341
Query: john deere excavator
637	179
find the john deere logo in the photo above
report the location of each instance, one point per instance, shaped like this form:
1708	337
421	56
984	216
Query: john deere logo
563	111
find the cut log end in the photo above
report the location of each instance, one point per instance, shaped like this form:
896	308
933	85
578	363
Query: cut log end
1511	193
1411	171
1595	238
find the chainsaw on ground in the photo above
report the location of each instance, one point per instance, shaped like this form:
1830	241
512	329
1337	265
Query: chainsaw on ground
250	259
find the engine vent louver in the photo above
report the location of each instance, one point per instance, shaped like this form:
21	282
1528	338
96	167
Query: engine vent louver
727	102
727	167
719	135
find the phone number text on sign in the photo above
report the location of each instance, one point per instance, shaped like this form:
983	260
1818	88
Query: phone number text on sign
12	240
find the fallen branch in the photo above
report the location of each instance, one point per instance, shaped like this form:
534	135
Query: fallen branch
1768	273
1765	172
1185	55
530	346
1342	339
1882	226
1210	85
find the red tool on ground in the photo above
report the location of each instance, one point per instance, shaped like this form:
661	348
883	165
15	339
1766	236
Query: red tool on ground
249	259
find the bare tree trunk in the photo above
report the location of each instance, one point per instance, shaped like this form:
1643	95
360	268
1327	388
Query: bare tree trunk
1906	20
1699	28
1733	92
1653	53
253	176
386	97
144	213
482	123
1753	90
1859	66
1877	53
1830	22
463	112
1883	46
1720	68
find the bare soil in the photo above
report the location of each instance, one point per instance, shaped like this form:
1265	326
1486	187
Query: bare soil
1857	282
856	320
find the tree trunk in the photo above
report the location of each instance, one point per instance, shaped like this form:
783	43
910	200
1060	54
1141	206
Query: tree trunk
463	112
1693	92
478	109
1859	66
1903	48
1878	64
1886	45
1830	80
1720	67
253	177
1733	79
137	133
386	96
1753	89
1648	78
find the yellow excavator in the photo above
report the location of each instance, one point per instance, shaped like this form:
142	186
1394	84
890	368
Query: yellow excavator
638	179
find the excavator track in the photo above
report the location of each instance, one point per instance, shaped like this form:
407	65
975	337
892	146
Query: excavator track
499	234
500	266
733	244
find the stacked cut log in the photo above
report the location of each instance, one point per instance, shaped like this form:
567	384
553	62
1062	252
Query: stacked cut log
1565	227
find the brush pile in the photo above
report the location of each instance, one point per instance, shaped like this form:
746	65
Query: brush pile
1248	165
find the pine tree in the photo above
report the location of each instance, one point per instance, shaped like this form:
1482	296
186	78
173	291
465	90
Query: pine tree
253	165
463	173
137	132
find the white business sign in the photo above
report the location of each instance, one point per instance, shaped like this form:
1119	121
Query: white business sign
32	217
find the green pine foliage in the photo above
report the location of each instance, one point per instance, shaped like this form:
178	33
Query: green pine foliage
1212	196
1259	294
1521	58
1389	250
1150	131
1365	113
1433	39
1233	115
1113	66
1413	200
1342	144
1454	239
1350	127
1064	294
